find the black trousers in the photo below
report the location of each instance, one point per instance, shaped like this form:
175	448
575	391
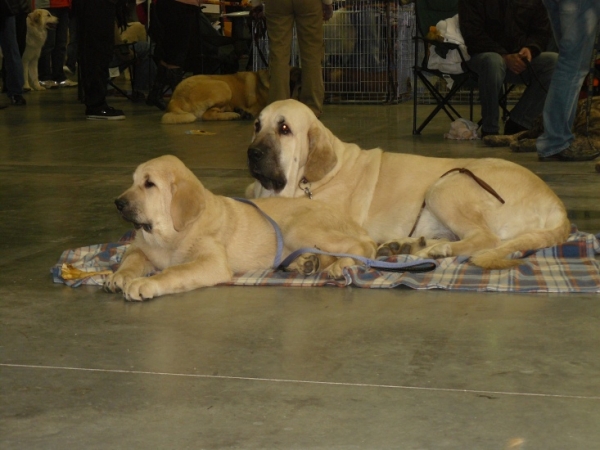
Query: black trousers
176	31
96	39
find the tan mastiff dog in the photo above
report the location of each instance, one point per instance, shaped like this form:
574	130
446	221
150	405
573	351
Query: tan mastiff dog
196	239
240	95
482	208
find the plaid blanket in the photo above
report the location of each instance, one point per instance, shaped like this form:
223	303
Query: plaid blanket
570	267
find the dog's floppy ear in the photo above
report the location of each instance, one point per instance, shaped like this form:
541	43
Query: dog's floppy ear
321	158
37	19
187	203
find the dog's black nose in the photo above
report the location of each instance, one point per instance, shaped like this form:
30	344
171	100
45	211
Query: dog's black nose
120	204
255	154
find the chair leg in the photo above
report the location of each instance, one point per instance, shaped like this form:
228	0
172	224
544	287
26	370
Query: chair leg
442	104
165	77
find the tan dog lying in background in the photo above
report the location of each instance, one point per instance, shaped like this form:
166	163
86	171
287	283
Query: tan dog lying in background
390	194
240	95
38	22
218	97
196	238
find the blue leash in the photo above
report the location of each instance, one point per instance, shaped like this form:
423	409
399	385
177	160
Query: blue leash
279	253
420	265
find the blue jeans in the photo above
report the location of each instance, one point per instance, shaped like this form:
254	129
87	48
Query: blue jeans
575	23
492	73
145	69
52	59
12	57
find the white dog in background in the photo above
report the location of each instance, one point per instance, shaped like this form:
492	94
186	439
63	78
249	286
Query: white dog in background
38	23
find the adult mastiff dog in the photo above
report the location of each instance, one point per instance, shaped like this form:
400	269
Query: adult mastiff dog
483	208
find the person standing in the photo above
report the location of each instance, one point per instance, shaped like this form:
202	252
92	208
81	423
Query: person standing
507	42
13	65
96	33
307	16
575	25
54	51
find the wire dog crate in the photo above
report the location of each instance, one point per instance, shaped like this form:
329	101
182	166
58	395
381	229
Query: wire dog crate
368	53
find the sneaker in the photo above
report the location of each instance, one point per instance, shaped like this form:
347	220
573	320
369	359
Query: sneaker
67	83
581	149
49	84
524	146
104	113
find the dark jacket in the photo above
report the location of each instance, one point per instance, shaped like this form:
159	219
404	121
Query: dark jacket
504	26
13	7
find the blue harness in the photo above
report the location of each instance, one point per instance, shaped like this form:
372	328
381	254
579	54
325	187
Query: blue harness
421	265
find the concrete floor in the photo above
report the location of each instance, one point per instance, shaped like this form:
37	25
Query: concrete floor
266	368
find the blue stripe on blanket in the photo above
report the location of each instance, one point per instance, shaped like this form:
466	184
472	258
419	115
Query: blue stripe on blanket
570	267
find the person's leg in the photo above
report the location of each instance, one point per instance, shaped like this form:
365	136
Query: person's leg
279	15
309	26
575	25
60	44
45	60
531	103
145	68
71	62
491	72
12	58
96	33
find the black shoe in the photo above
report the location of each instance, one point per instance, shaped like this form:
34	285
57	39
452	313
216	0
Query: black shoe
104	113
17	100
511	127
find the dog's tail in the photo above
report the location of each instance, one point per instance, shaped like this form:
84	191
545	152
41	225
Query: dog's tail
178	117
495	258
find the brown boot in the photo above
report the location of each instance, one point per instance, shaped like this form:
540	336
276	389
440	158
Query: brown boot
502	140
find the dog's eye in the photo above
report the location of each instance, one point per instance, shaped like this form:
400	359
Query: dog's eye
149	184
257	126
284	129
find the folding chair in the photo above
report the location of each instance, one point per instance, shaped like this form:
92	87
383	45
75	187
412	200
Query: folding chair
428	14
125	58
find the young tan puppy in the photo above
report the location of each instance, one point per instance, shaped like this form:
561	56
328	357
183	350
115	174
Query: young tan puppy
197	239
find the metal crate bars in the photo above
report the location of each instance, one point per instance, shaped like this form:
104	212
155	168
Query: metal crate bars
368	52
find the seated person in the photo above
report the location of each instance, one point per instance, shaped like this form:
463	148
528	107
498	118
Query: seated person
507	42
145	68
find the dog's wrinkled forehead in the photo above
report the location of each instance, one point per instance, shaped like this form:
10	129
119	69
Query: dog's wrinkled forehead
285	116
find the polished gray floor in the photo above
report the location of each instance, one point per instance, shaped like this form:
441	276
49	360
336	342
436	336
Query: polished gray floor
266	368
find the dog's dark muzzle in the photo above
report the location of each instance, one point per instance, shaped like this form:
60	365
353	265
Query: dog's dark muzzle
256	155
264	166
123	208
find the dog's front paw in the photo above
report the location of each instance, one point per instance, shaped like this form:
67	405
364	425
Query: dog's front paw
405	246
306	264
141	289
117	282
442	250
336	270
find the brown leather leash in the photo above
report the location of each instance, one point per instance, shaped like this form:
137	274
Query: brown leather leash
478	180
